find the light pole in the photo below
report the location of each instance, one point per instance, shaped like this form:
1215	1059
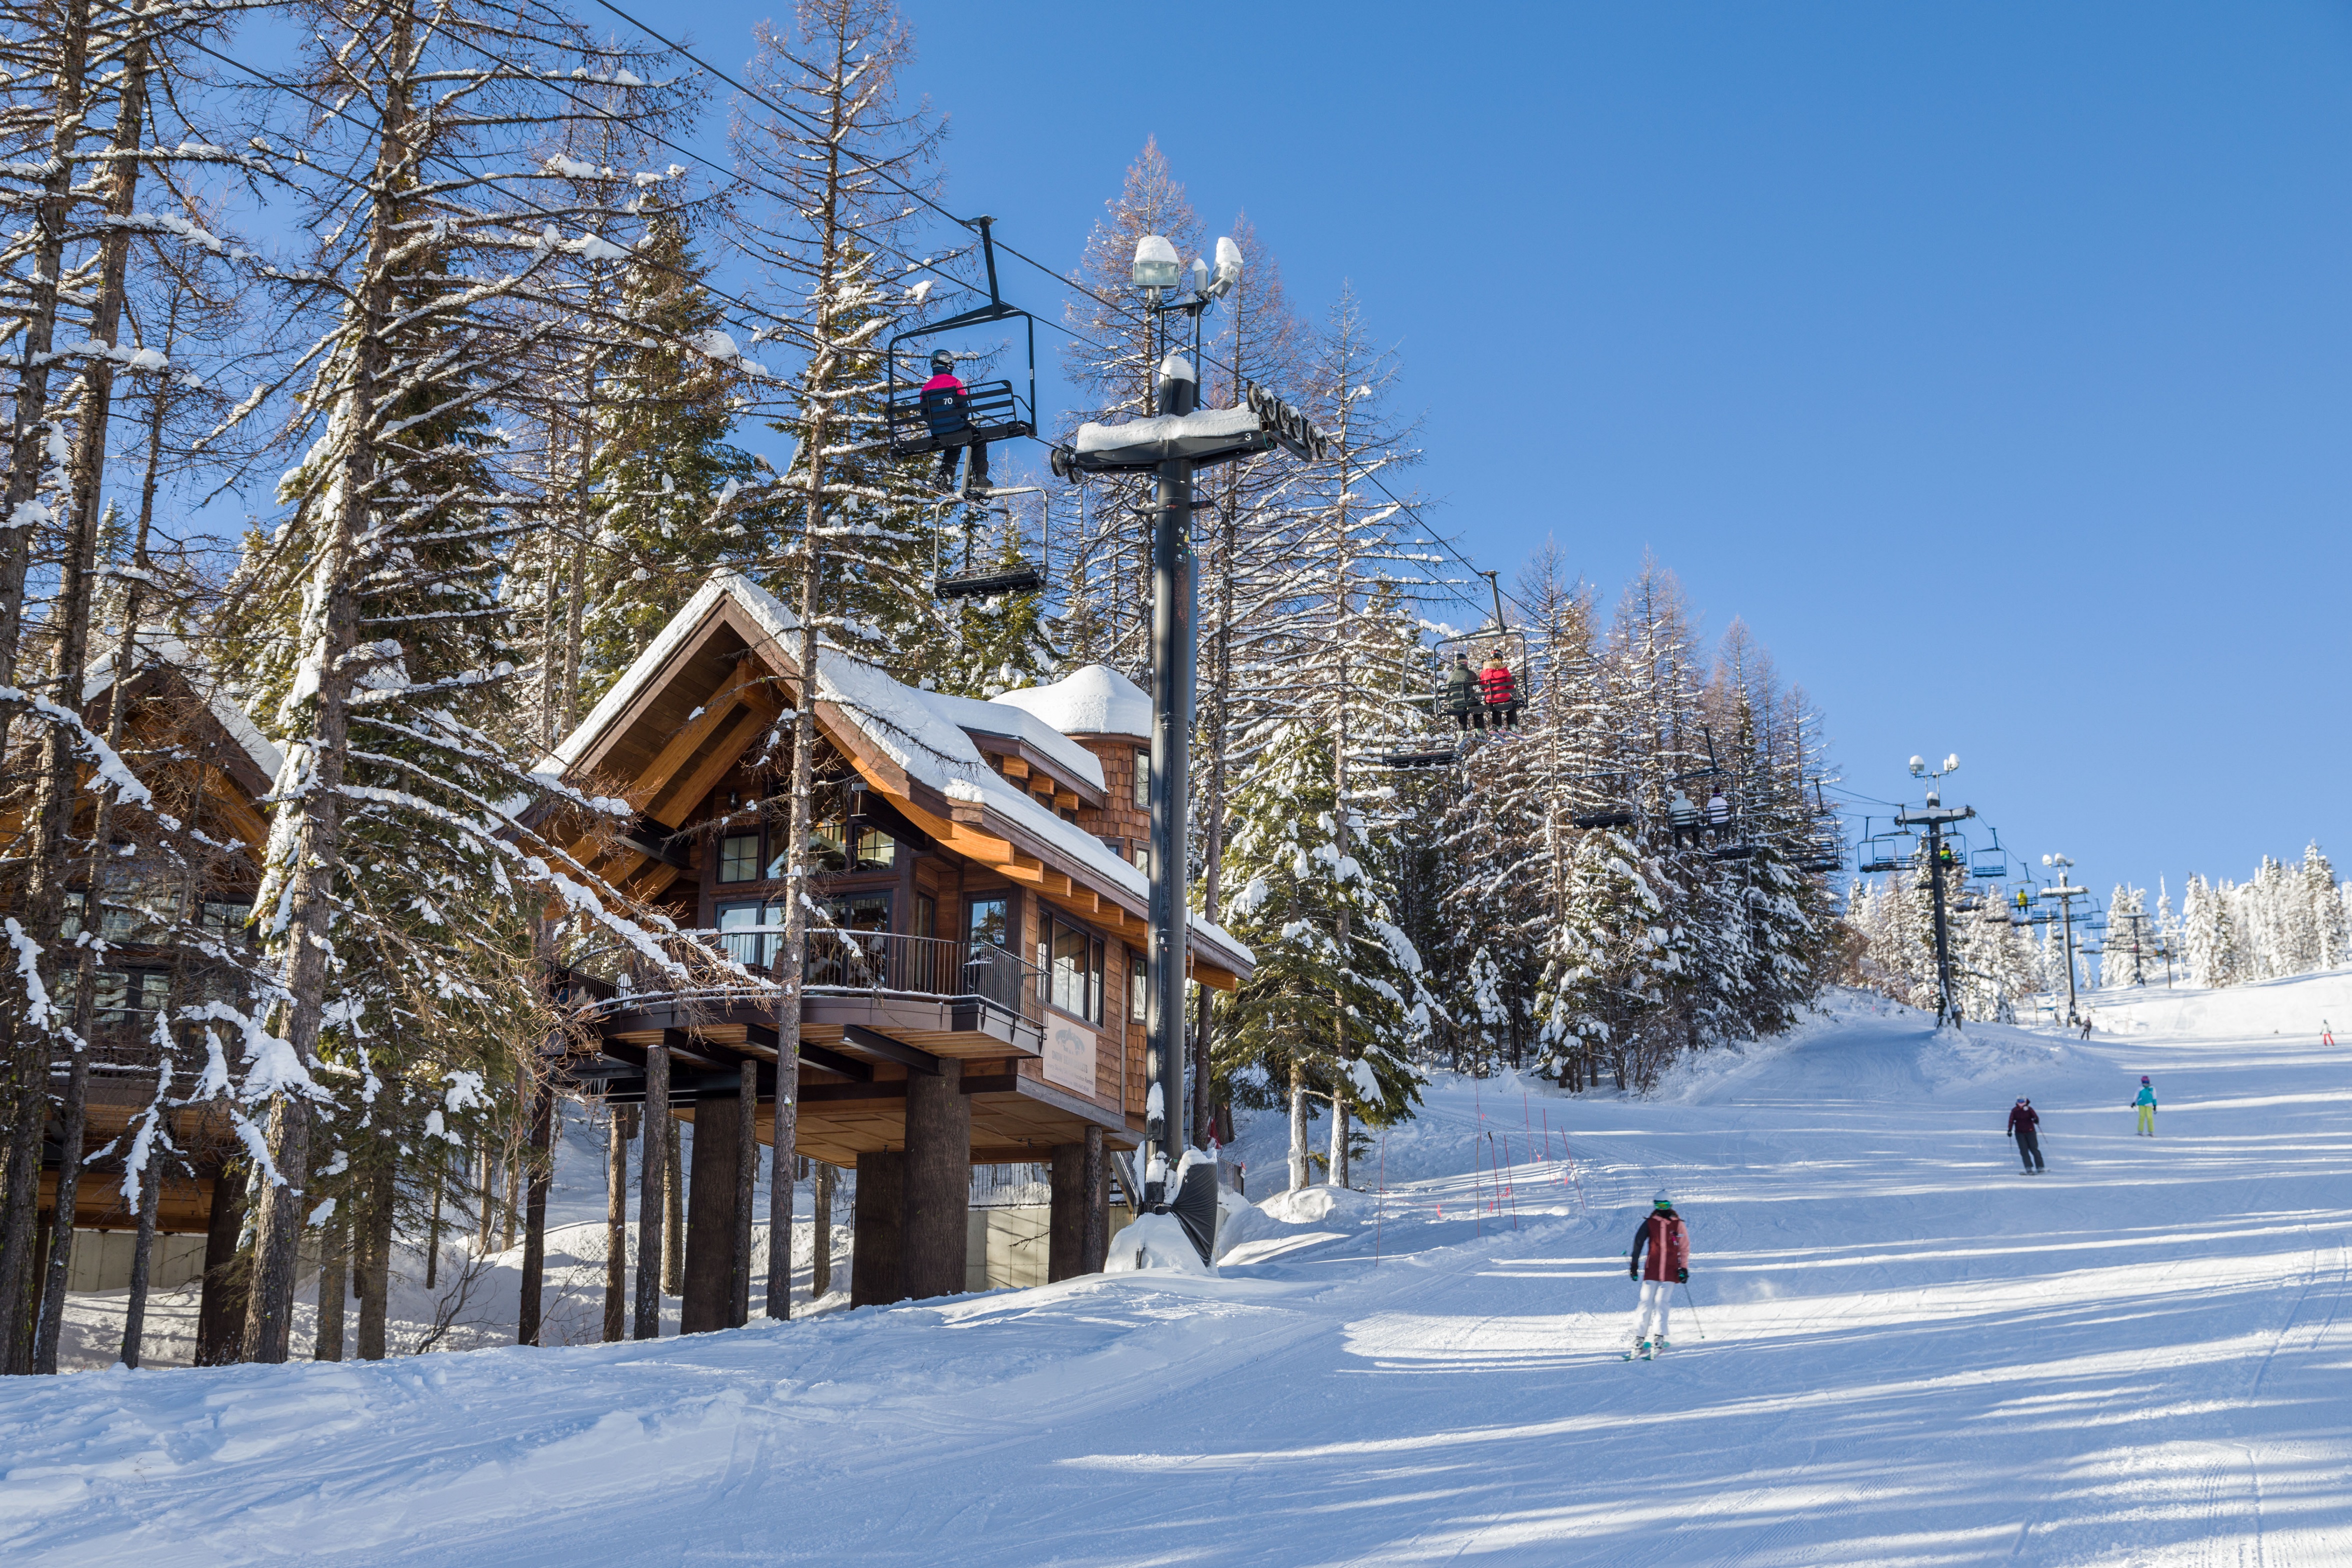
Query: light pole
1177	439
2065	893
1934	816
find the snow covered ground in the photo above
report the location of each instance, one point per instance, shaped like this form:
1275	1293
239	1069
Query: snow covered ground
1910	1355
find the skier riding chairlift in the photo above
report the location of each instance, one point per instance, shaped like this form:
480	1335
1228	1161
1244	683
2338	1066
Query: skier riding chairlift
1500	691
947	408
1682	816
1461	694
1718	813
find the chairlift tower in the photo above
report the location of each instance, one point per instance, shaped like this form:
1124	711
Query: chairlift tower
2135	924
1935	816
2065	892
1177	439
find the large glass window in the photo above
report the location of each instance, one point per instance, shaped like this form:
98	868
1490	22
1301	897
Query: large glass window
739	857
1142	781
128	996
1073	961
1139	988
225	919
875	850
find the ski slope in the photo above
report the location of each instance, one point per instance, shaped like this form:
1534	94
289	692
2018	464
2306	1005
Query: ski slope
1912	1354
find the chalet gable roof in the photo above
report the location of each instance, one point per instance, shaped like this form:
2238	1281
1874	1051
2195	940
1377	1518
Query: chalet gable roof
916	747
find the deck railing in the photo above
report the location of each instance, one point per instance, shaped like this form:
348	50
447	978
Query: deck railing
881	964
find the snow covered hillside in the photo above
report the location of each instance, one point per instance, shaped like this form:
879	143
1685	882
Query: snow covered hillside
1904	1352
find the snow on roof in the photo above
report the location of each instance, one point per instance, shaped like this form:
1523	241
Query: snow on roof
1207	422
1097	700
1013	723
921	732
157	647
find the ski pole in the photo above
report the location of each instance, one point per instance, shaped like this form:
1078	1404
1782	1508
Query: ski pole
1696	1319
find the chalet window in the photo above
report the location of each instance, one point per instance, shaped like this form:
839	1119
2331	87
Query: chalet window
874	850
1139	988
990	921
1142	853
1143	781
1071	958
927	915
859	912
124	997
741	938
223	919
739	857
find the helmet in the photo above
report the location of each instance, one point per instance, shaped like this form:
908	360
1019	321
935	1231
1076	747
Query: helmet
2143	1078
1662	1201
942	361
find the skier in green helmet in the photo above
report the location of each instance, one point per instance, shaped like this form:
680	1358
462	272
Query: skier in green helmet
1666	1240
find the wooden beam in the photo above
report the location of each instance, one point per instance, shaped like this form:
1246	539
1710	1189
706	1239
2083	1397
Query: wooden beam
908	1057
1066	799
1015	768
689	789
687	741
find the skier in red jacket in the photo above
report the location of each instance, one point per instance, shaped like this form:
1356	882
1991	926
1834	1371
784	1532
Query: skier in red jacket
947	407
2025	1127
1666	1239
1500	691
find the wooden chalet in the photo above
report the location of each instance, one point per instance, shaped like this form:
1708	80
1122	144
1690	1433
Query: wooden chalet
975	994
208	767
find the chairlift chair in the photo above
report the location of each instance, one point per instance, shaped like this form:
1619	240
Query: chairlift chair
1992	864
1464	705
1889	851
919	422
991	582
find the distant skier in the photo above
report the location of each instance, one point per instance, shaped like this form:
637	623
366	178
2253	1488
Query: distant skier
1462	694
2086	1025
1666	1240
2147	1103
2026	1127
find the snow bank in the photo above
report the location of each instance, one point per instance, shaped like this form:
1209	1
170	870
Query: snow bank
1154	1241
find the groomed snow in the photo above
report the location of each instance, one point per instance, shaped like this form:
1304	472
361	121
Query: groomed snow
1093	700
1904	1352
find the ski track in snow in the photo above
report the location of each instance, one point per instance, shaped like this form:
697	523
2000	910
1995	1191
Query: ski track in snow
1913	1354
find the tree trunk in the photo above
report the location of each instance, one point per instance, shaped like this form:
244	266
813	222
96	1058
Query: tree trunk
375	1263
821	1241
51	1327
335	1265
485	1199
535	1231
616	1224
143	1265
783	1158
220	1312
1339	1172
652	1190
1297	1126
433	1225
673	1249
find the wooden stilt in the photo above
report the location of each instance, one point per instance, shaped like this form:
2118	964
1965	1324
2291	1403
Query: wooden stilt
1094	1246
673	1254
932	1236
1065	1227
707	1300
534	1225
619	1128
653	1186
821	1242
747	1190
874	1249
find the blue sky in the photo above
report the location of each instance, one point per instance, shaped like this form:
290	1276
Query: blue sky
1988	360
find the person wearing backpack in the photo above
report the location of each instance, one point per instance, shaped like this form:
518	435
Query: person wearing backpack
1660	1261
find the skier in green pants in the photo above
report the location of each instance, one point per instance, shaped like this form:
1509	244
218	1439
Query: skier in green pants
2147	1103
